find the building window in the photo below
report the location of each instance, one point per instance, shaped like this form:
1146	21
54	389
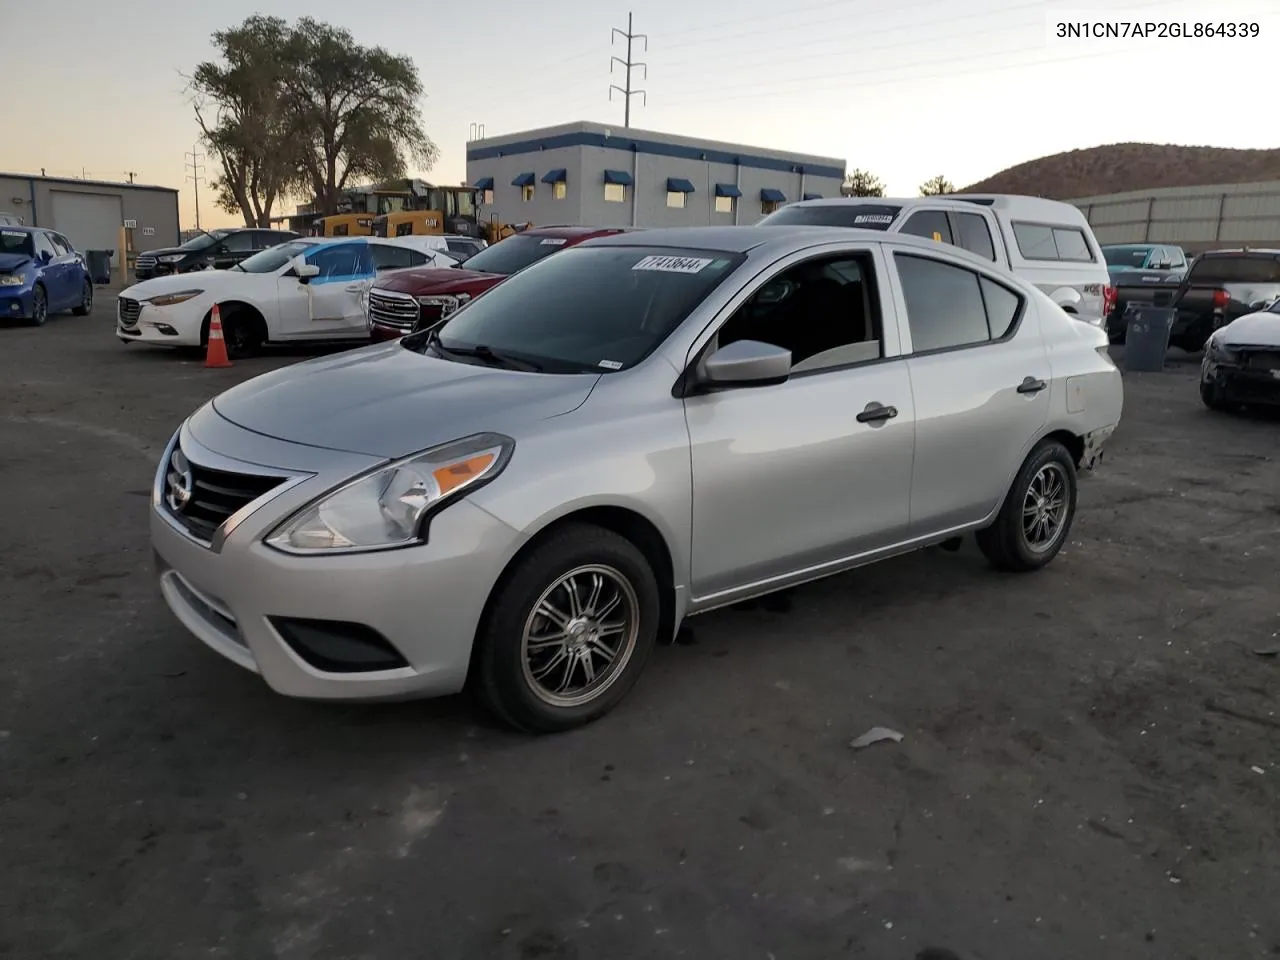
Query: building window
526	192
615	192
769	206
488	197
724	204
560	190
675	199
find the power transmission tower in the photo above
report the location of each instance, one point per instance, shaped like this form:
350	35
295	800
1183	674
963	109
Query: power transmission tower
628	64
193	161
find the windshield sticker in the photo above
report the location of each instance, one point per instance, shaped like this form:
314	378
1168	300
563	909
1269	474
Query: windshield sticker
553	242
610	364
19	234
673	264
873	218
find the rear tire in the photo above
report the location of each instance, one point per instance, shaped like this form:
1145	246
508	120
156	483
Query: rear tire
542	660
1035	519
86	300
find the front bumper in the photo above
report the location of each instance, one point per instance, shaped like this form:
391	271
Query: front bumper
15	302
176	326
381	333
1240	384
240	597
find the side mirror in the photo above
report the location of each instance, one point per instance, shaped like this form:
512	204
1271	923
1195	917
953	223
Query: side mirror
1163	265
45	256
747	363
305	271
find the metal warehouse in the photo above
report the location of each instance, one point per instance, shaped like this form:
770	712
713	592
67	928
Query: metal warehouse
1195	218
597	175
90	213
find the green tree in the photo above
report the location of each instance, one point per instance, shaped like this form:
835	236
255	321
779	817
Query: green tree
245	121
935	186
860	183
354	111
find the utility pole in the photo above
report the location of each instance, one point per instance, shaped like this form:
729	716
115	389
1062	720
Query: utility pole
627	92
130	174
193	161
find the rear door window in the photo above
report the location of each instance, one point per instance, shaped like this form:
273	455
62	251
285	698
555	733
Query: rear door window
973	234
930	224
944	304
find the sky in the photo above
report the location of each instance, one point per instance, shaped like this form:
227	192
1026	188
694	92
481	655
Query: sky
905	89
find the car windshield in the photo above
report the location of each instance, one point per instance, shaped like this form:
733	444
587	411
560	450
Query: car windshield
203	241
865	216
1236	269
1125	256
514	253
17	241
598	309
273	258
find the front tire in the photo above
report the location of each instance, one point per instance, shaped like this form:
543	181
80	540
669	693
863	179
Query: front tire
39	307
1211	397
86	300
1035	519
568	631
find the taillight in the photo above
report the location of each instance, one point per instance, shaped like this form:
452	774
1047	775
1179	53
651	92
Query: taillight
1109	297
1220	299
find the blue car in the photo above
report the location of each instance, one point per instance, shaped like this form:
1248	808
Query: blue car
41	273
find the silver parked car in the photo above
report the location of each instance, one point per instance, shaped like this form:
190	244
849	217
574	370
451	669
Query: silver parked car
525	498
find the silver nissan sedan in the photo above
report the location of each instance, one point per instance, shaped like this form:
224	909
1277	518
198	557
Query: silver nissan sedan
525	498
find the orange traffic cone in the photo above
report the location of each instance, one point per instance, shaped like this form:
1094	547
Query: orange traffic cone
217	353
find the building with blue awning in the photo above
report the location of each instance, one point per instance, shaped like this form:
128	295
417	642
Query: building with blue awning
598	175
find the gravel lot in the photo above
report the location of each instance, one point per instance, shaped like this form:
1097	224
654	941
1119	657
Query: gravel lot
1077	778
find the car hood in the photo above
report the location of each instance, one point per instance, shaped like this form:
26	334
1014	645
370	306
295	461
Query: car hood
418	280
166	251
1252	330
173	282
386	401
12	261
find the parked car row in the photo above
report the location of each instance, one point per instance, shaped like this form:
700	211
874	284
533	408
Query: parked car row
619	431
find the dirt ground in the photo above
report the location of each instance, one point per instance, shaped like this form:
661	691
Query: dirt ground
1089	766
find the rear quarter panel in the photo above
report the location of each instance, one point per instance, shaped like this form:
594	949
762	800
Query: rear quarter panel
1087	393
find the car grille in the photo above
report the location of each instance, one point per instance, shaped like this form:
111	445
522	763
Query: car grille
393	310
1262	360
201	498
144	263
127	311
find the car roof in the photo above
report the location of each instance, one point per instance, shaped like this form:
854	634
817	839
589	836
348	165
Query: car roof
24	227
1237	251
953	201
571	231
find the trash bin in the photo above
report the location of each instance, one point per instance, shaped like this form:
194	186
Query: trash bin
1146	338
99	265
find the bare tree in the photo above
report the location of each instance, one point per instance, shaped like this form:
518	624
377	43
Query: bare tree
935	186
861	183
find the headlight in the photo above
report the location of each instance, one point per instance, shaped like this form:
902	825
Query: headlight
387	508
1219	352
11	280
172	258
447	303
169	299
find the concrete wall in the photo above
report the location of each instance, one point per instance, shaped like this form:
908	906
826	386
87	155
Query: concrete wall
1196	218
152	207
586	150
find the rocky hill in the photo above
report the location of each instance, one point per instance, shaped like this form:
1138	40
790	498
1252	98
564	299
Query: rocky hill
1118	167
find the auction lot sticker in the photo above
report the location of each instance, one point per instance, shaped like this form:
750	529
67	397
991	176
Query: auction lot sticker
673	264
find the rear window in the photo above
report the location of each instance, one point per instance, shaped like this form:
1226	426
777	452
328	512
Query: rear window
1125	256
1042	241
865	216
1235	269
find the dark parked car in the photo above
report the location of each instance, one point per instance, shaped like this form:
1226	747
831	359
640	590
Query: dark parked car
1141	273
1220	286
215	250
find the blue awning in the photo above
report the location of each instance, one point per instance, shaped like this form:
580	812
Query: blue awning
770	195
813	196
524	179
554	176
618	176
727	190
679	185
484	183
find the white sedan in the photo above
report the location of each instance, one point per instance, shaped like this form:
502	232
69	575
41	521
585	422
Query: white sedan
307	289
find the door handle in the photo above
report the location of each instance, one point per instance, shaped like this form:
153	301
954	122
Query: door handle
1031	385
877	413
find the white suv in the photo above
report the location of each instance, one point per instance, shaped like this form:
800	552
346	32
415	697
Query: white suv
1046	242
